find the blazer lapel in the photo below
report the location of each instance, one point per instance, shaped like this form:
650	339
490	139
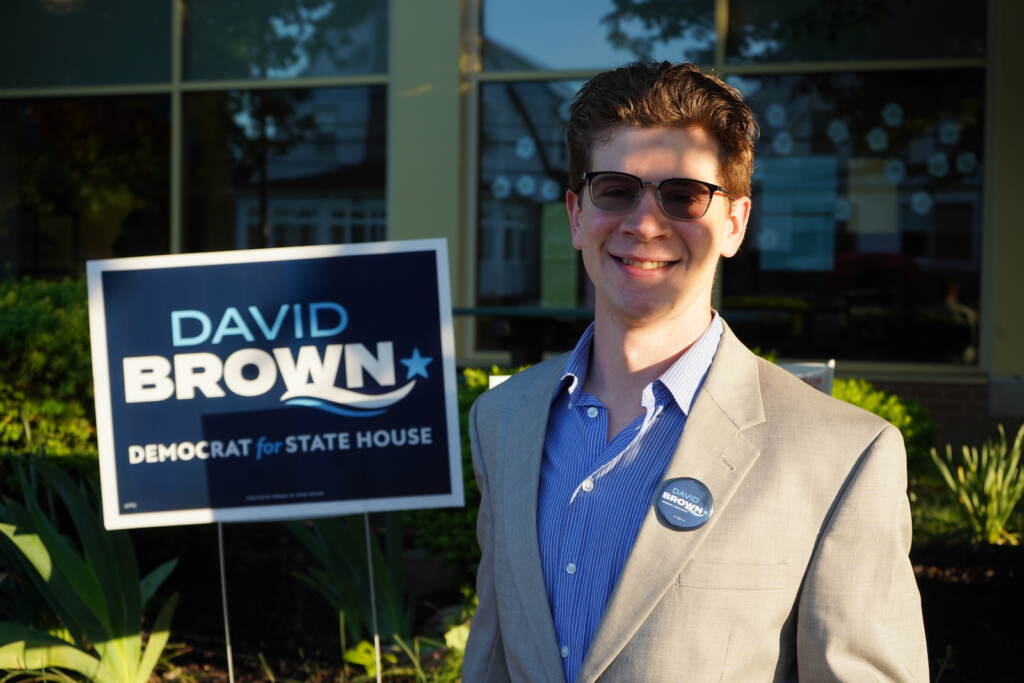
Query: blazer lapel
712	450
526	428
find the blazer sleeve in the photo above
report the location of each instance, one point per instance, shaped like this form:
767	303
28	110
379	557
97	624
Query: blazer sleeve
484	658
859	615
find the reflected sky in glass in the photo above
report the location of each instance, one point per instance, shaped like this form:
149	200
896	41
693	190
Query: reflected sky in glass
228	39
585	34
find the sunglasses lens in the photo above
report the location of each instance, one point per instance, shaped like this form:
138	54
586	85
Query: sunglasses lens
613	192
684	199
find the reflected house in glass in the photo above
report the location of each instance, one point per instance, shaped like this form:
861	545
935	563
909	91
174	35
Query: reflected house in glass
521	191
299	167
306	166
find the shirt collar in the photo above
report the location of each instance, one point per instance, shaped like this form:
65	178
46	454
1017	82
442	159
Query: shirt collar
682	379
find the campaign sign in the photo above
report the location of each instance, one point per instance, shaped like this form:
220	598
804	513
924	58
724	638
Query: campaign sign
274	383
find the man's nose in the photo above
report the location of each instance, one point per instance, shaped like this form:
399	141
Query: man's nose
646	221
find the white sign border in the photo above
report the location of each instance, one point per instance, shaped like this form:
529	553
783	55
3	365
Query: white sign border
114	519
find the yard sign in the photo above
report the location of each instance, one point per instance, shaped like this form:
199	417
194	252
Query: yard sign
274	383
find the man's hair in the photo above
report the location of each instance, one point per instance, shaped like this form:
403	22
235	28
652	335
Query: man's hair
652	94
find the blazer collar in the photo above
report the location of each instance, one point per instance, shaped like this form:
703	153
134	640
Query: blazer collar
713	450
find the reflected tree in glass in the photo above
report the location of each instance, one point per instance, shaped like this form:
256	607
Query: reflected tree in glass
266	124
638	26
284	38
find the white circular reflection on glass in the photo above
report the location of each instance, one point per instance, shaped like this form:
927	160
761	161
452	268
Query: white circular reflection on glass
775	115
767	239
877	139
549	190
966	162
525	147
895	170
938	165
501	188
843	209
949	133
892	114
921	203
837	131
782	143
526	185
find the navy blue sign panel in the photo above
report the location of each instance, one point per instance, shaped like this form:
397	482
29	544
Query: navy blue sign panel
274	383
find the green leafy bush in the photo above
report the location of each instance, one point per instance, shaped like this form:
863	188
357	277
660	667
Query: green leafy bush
45	370
90	585
907	415
987	484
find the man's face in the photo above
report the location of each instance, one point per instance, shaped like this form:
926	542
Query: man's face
647	266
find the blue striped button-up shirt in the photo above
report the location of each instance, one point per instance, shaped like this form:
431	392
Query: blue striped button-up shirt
594	493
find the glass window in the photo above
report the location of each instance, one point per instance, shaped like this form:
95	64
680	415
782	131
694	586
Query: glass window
811	30
74	42
524	249
228	39
525	257
587	34
80	179
271	168
864	240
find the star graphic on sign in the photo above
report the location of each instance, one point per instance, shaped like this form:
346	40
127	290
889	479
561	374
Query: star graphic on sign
416	363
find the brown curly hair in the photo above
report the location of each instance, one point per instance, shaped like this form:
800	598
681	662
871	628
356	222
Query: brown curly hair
653	94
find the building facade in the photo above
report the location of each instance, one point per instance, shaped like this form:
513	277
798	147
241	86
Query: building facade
883	232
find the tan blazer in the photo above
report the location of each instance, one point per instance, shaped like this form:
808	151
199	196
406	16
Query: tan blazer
801	572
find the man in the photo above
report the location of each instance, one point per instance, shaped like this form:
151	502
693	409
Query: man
661	504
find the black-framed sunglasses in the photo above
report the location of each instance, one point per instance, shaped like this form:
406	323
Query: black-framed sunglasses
683	199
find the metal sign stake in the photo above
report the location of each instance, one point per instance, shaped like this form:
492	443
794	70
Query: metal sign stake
373	594
224	601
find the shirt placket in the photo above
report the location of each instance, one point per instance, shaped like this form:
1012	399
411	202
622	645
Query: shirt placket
591	420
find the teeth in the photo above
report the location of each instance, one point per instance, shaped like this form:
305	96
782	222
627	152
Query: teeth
645	265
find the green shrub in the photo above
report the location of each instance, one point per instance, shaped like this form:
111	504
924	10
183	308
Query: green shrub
907	415
45	370
987	484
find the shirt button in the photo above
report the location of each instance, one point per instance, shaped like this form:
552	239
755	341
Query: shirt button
570	568
587	485
564	651
591	412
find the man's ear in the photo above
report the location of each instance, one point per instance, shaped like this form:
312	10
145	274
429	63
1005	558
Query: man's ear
573	206
735	226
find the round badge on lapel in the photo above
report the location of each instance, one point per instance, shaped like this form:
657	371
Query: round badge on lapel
684	504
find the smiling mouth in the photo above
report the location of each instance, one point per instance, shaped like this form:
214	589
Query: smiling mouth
644	265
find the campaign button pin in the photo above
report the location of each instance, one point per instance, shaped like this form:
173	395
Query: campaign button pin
684	504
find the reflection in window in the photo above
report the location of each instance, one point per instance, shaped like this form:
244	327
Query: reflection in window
284	167
811	30
227	39
82	179
586	34
864	241
525	254
75	42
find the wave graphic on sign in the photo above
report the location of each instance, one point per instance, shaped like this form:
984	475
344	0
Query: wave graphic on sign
342	401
